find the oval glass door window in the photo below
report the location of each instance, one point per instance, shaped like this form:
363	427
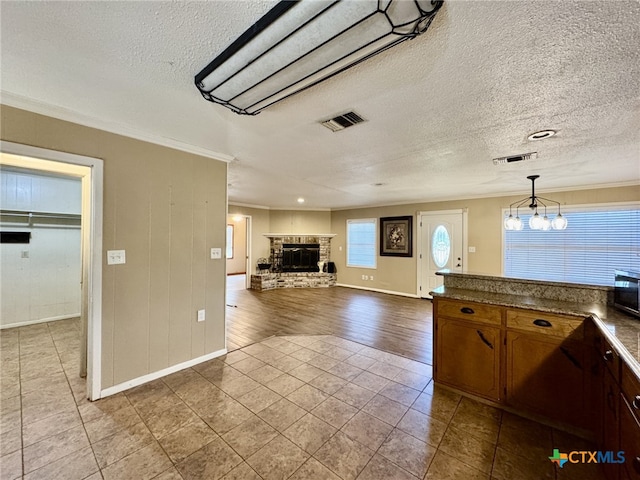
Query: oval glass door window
440	246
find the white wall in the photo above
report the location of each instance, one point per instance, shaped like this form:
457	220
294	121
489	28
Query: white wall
39	281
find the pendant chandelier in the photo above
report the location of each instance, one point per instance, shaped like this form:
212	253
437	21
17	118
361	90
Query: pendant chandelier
536	222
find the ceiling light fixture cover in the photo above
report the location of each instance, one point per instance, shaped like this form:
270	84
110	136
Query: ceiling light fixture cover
542	134
298	44
536	222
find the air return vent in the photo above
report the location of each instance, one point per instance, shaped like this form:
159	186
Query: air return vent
515	158
341	122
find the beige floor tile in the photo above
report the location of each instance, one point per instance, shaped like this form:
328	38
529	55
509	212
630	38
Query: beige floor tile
306	372
307	397
323	362
423	427
234	357
211	462
113	448
407	452
446	467
239	386
286	347
360	361
223	376
441	405
345	371
250	436
157	406
186	440
384	370
367	430
259	399
480	426
265	374
282	414
525	441
170	474
11	466
412	379
143	464
468	449
304	354
92	410
400	393
224	415
328	383
46	408
54	447
371	381
286	363
170	420
310	433
582	471
111	423
10	413
41	429
474	407
242	472
154	390
284	384
379	468
385	409
313	469
344	456
263	353
278	459
248	364
75	466
334	412
10	440
354	395
508	466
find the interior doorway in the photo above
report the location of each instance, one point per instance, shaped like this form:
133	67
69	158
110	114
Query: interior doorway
238	251
90	172
441	243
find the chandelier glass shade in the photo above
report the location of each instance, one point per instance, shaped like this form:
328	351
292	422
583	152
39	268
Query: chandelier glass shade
537	221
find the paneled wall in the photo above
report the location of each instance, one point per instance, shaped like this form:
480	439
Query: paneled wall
166	209
40	280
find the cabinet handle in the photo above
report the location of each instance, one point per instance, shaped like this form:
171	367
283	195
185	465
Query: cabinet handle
539	322
467	310
610	400
636	402
571	358
608	356
484	339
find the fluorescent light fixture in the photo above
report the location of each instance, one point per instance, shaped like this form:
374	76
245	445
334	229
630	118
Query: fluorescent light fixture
298	44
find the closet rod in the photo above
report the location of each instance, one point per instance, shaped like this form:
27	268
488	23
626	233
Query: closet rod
22	213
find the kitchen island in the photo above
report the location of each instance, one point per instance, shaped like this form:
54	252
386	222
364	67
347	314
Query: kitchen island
556	352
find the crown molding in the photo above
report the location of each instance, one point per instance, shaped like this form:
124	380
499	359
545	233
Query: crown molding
24	103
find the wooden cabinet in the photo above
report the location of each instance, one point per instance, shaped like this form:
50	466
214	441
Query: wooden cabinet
468	347
547	376
468	357
547	366
629	422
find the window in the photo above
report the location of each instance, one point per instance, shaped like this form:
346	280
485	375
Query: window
597	241
361	243
229	241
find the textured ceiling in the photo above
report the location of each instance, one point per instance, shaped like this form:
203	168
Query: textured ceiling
438	108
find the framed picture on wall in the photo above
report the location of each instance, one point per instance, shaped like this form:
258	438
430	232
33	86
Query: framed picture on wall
395	236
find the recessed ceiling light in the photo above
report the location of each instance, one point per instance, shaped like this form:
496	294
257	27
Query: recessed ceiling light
542	134
300	200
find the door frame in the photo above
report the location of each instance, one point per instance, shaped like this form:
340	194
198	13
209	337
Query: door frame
90	171
421	247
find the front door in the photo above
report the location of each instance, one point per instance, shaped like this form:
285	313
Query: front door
440	247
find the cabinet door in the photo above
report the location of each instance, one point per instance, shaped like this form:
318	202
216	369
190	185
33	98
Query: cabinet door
547	376
468	357
610	439
630	439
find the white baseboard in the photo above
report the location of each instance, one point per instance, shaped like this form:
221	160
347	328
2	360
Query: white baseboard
160	373
40	320
379	290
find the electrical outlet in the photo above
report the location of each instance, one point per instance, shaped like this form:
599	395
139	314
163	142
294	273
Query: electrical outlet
371	278
472	249
216	253
116	257
201	316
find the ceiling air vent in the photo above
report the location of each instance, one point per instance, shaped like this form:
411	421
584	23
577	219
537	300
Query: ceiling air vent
341	122
515	158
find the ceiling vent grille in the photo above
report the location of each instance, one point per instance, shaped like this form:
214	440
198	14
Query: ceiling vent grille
515	158
341	122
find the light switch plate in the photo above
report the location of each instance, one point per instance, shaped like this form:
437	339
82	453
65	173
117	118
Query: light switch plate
216	253
116	257
472	249
201	316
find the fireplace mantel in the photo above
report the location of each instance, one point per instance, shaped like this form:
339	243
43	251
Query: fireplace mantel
279	235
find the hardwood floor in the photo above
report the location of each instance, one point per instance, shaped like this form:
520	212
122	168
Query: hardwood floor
391	323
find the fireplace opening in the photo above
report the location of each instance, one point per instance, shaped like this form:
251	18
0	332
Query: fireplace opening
300	257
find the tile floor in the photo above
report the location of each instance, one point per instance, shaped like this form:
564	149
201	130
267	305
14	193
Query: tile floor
295	407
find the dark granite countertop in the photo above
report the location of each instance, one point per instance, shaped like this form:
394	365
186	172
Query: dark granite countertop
621	329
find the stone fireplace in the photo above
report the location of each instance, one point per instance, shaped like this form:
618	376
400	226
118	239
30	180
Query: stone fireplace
294	262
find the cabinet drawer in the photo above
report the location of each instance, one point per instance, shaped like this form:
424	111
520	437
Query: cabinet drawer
477	312
546	324
630	386
610	358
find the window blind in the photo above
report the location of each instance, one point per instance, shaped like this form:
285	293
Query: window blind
597	241
361	243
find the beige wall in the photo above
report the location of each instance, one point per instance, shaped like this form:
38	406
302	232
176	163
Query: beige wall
299	221
399	274
166	208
